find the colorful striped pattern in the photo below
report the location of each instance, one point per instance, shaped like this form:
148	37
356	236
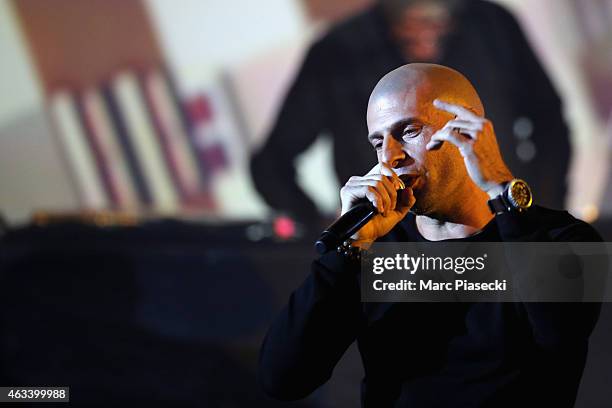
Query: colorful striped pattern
130	145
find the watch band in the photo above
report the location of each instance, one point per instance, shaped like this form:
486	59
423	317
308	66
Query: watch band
498	205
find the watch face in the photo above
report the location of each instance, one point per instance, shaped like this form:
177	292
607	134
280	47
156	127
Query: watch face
520	194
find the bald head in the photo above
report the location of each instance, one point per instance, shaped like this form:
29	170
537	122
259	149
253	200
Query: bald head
402	119
420	84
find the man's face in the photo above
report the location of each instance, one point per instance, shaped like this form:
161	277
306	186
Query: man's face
400	126
421	29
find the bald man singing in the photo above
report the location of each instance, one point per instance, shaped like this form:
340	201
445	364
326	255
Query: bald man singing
439	177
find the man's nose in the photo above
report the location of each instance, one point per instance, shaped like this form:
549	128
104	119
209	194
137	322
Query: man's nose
392	153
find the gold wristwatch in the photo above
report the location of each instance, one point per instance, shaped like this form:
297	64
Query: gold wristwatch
516	198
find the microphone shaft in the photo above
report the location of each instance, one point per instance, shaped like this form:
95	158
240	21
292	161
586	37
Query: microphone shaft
345	226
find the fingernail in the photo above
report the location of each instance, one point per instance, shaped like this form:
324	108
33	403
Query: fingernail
401	184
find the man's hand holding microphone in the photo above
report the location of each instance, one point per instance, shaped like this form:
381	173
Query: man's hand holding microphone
387	193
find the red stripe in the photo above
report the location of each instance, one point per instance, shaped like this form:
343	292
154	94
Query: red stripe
101	159
164	138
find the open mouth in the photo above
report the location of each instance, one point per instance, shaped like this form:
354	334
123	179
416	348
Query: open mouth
409	179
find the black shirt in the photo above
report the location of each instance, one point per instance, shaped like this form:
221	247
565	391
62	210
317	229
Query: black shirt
434	354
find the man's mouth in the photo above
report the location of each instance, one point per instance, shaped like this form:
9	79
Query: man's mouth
409	180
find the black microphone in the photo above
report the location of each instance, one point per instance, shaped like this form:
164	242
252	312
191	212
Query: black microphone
345	226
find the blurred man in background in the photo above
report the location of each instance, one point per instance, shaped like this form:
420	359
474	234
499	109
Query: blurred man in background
331	90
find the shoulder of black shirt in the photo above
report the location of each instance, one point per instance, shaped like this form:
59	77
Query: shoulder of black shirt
538	224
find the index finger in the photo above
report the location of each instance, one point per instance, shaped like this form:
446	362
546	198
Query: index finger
457	110
388	171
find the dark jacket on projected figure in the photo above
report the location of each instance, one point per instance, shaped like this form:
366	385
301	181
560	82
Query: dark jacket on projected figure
446	355
331	91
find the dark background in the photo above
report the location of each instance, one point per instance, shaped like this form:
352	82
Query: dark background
170	314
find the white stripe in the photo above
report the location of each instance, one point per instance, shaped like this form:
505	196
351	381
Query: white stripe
80	157
146	146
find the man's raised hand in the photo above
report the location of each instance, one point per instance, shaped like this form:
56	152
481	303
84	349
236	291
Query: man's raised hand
475	138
